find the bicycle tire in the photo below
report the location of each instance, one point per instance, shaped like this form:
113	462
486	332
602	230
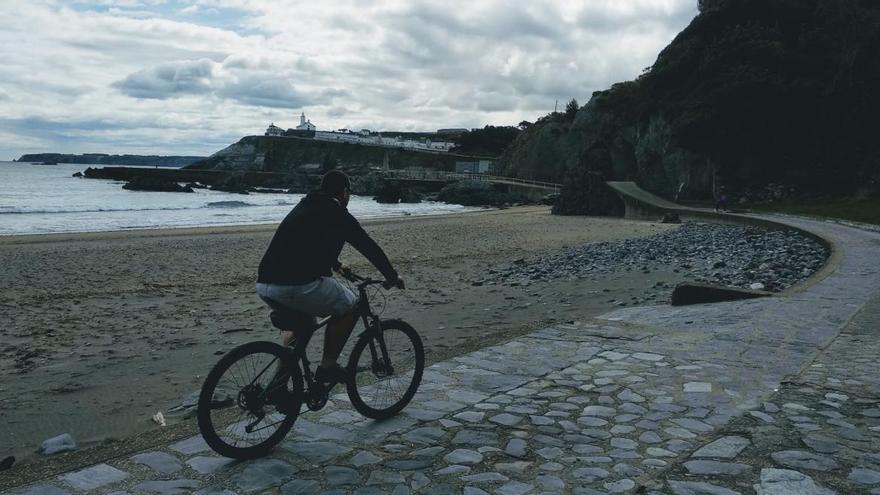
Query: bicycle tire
206	422
355	392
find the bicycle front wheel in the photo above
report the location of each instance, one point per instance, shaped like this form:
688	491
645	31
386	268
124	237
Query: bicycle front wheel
250	400
387	369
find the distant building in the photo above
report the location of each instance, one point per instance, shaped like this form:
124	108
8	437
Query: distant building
274	130
475	167
440	145
305	125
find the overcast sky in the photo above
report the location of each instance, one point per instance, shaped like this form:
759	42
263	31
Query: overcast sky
192	76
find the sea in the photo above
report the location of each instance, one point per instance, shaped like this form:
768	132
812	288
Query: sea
43	199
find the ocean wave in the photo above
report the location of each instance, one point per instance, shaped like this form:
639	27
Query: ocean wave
228	204
12	210
19	211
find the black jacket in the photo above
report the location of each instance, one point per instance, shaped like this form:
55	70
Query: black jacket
307	244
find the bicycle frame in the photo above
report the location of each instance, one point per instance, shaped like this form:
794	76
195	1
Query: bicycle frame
372	327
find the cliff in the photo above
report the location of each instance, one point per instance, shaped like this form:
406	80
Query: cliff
751	93
104	159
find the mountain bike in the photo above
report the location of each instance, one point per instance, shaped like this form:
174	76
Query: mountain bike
254	394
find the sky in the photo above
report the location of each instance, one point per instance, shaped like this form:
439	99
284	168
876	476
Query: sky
173	77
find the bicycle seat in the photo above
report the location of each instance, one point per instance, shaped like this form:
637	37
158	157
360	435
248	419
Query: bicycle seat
291	321
288	320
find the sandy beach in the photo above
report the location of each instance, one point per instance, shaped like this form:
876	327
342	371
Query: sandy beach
102	330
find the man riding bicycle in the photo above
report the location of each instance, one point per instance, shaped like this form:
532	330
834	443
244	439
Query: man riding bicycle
296	271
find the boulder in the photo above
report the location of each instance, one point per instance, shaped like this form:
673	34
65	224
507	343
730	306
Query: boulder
232	184
146	183
670	217
410	196
478	193
689	293
387	193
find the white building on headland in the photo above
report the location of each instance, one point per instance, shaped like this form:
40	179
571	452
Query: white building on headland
274	130
364	136
368	138
305	125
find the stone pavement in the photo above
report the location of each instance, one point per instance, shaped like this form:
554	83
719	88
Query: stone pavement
769	396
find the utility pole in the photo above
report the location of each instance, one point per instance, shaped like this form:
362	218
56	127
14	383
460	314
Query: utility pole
555	106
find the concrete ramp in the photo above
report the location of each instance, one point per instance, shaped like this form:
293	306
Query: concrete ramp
643	205
630	192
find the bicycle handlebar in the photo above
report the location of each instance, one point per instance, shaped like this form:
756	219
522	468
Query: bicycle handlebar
364	281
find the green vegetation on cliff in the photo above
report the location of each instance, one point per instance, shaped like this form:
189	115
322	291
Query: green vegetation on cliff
752	92
488	141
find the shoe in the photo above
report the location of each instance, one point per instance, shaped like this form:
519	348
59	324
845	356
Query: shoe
332	375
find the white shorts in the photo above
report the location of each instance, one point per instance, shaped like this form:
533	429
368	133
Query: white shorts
323	297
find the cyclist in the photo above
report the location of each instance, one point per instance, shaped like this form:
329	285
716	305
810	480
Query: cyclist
296	272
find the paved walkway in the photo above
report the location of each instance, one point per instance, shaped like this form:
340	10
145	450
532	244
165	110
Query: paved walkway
770	396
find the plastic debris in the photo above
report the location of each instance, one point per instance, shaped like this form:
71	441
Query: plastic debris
56	445
159	419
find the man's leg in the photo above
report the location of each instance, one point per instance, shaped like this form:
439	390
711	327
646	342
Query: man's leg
335	336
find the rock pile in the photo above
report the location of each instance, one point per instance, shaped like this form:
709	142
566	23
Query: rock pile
727	255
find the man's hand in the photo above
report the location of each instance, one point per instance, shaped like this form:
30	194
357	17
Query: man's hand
394	283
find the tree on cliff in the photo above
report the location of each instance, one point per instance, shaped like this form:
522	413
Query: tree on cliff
490	140
571	109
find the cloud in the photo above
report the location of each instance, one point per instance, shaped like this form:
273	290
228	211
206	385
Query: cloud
178	74
249	82
169	80
264	92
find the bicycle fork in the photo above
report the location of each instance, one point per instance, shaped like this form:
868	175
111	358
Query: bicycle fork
382	366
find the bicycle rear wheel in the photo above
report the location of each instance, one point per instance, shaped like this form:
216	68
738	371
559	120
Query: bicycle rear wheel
380	387
241	402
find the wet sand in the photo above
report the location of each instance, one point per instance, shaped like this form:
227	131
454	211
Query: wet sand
102	330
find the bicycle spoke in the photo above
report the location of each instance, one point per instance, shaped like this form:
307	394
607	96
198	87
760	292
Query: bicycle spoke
377	386
240	415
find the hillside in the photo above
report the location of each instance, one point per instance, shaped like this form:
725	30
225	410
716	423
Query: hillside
751	93
105	159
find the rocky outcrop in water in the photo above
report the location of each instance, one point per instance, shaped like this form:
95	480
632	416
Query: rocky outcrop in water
478	193
144	183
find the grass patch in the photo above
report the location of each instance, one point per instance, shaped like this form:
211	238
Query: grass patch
864	210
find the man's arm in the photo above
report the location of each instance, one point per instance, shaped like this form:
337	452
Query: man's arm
358	237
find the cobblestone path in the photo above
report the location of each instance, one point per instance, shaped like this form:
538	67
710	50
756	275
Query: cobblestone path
772	396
